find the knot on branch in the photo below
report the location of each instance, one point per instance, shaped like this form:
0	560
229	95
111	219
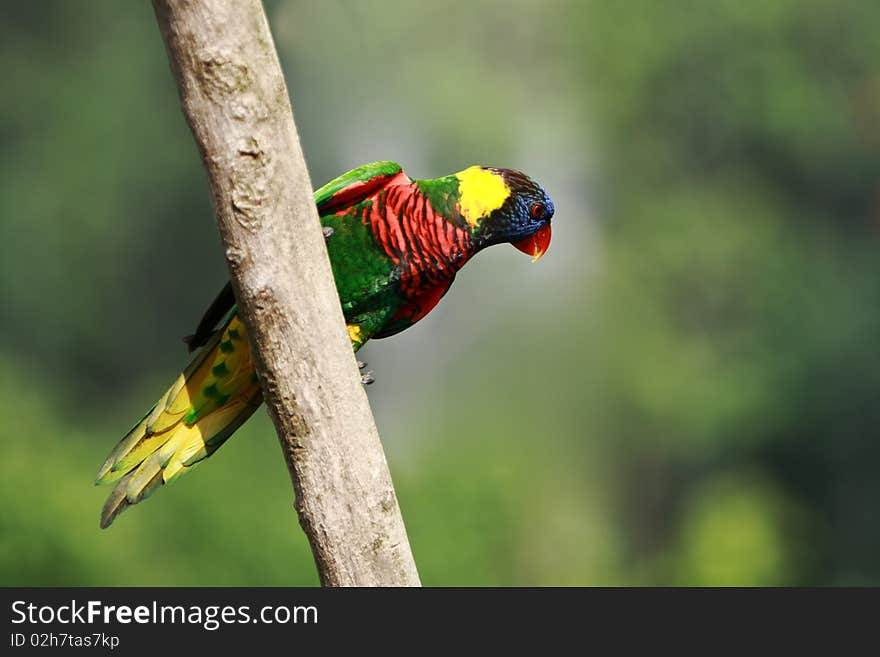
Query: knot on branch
235	257
249	184
229	82
222	77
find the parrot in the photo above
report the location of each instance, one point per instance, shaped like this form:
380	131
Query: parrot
395	245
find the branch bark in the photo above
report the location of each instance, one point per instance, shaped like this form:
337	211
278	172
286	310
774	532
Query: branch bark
236	102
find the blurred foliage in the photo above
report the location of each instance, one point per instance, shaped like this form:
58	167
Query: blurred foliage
683	391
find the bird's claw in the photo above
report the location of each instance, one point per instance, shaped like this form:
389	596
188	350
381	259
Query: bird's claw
361	364
367	378
328	231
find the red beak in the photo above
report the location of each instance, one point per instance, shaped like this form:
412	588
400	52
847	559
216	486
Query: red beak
537	244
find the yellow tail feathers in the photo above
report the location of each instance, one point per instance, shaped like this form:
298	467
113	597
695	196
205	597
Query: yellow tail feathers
216	393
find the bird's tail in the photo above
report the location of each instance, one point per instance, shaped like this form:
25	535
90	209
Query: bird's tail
216	393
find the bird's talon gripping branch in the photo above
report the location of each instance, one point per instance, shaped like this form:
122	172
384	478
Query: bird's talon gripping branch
397	246
361	364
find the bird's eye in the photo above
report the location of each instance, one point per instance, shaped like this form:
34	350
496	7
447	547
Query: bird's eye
537	210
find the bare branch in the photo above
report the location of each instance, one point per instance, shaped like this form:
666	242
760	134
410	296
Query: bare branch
236	102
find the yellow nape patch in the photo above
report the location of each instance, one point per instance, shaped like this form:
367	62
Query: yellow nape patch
481	193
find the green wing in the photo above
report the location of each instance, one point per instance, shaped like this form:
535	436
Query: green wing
353	187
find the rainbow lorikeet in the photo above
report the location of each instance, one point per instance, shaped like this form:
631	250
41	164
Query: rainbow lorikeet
395	245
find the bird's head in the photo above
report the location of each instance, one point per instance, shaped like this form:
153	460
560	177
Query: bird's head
504	205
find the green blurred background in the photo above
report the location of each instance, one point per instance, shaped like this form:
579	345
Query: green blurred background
683	391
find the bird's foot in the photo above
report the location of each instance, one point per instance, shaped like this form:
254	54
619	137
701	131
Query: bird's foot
361	364
367	378
328	231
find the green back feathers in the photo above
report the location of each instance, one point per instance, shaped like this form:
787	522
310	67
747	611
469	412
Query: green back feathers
354	186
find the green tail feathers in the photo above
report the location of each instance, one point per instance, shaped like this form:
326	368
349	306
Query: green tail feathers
214	396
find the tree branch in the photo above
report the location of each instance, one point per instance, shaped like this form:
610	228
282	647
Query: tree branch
235	100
